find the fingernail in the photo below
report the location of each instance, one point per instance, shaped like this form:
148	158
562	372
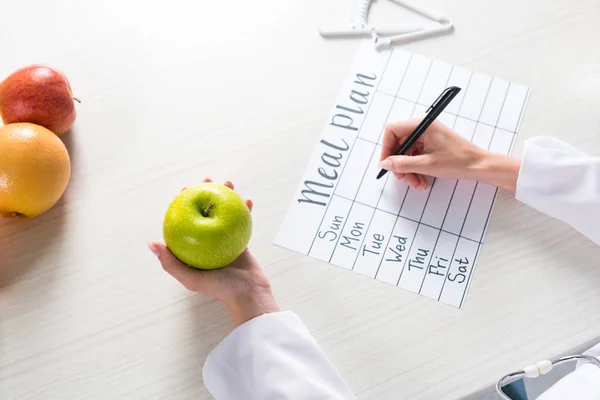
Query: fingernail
154	249
385	164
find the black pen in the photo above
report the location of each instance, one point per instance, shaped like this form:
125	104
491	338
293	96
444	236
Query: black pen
432	113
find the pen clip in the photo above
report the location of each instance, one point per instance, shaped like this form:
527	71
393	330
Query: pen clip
446	92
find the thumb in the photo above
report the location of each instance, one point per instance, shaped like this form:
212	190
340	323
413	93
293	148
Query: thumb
185	275
406	164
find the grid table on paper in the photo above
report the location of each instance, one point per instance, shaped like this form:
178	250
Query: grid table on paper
424	241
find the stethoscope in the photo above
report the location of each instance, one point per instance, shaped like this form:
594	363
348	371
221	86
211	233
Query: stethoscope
400	33
540	368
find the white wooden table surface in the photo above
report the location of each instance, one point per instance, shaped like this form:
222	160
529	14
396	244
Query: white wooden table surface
174	91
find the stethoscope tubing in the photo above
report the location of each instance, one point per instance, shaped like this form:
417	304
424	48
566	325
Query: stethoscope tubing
514	376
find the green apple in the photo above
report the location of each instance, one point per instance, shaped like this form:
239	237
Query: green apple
207	226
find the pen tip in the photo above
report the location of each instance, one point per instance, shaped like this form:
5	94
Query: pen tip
381	173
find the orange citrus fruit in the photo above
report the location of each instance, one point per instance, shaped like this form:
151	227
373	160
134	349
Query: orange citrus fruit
34	170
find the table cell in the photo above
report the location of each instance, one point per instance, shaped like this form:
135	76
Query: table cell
483	136
436	81
414	78
355	169
439	265
475	96
371	188
447	119
494	101
330	228
373	247
465	127
459	205
419	111
459	274
402	110
502	141
418	259
479	212
393	194
374	122
439	202
459	77
513	107
396	251
414	203
396	68
352	236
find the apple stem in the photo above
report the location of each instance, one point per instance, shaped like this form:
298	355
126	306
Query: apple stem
77	100
207	209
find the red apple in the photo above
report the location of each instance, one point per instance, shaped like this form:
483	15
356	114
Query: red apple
39	95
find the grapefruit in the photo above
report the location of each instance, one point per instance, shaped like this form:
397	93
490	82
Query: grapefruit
34	170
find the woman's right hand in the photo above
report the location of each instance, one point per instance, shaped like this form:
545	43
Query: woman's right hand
242	285
440	152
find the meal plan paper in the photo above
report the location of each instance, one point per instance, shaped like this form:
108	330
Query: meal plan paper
428	241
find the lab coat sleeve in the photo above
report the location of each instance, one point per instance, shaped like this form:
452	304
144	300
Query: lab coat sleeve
273	356
562	182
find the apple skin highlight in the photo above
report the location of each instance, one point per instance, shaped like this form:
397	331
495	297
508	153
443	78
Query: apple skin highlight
207	226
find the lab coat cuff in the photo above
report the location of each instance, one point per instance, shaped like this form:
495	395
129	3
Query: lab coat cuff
539	153
267	325
562	182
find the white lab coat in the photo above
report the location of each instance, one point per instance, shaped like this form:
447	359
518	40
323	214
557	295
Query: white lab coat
274	356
